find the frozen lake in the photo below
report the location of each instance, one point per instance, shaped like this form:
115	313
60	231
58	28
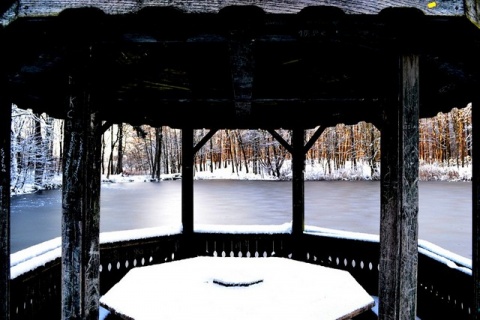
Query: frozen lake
444	216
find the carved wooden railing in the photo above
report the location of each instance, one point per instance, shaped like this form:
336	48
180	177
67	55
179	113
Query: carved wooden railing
445	285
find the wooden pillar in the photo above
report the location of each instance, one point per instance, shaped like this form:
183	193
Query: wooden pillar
399	196
81	203
187	190
298	189
5	121
476	207
241	61
472	11
242	58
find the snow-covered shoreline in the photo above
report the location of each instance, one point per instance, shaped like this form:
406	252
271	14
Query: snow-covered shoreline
313	172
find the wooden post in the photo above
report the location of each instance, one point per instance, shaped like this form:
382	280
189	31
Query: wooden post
5	121
399	197
298	189
476	208
187	190
241	60
472	11
81	29
81	205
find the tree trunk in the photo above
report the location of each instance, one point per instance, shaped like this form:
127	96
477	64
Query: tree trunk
452	141
166	152
60	148
353	153
212	155
39	161
242	150
104	146
158	153
119	168
48	148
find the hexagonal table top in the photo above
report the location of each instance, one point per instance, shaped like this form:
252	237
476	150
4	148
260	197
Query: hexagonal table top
236	288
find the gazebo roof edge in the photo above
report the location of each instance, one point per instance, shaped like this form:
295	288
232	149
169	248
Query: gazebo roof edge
11	10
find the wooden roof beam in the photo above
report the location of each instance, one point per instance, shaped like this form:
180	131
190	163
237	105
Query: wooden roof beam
472	11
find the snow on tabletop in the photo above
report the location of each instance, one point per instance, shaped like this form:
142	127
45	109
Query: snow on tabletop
185	289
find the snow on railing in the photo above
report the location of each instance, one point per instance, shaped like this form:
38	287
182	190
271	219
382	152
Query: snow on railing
334	233
138	234
449	258
39	255
285	228
34	257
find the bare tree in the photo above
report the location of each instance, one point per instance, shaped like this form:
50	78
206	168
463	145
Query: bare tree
119	167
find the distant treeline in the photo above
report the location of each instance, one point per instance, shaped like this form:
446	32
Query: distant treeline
37	143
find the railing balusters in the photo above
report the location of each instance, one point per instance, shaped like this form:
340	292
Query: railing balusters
37	292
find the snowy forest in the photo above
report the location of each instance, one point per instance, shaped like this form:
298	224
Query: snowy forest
341	152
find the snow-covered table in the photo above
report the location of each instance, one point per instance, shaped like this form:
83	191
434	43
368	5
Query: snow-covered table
236	288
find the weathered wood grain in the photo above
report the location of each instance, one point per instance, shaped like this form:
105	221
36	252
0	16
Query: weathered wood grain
476	207
81	197
298	182
242	64
188	239
399	197
48	8
5	116
187	181
472	11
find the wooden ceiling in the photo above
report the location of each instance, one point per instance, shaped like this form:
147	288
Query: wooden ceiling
240	67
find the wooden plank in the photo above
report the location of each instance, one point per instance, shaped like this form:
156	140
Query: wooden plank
298	151
204	140
187	181
298	191
280	139
187	193
314	138
6	5
91	252
5	119
399	197
298	183
476	208
242	64
472	11
81	205
49	8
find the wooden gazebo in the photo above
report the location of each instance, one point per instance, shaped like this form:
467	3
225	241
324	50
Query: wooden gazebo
224	64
